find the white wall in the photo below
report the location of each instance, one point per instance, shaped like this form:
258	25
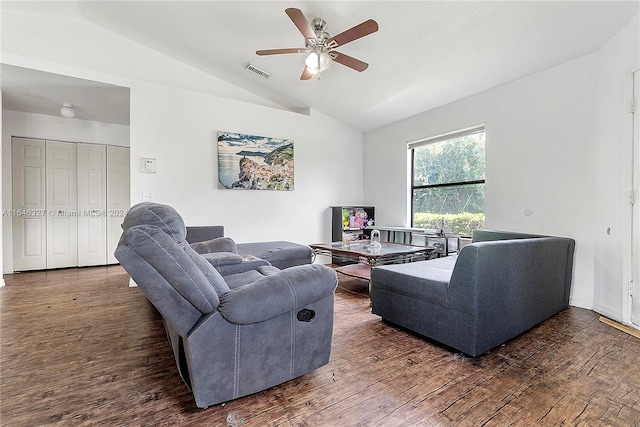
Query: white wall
328	164
178	126
550	148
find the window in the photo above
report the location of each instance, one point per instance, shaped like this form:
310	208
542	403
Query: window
447	181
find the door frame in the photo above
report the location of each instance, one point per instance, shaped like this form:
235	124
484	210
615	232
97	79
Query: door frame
633	287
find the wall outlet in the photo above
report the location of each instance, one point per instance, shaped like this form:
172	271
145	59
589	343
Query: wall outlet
146	196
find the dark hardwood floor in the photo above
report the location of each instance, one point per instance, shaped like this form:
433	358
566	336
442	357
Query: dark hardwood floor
79	347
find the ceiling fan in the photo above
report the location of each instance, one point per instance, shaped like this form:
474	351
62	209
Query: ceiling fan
320	45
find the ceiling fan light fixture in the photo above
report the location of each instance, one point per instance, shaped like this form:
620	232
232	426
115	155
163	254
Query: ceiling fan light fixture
67	111
318	62
319	44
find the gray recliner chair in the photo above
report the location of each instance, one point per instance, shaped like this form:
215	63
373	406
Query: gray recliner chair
230	336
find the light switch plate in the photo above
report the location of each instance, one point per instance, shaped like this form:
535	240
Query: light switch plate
148	165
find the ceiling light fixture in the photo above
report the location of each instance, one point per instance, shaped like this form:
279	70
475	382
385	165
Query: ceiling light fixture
320	45
318	62
67	111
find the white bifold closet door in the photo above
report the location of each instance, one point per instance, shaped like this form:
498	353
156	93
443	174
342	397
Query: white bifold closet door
45	208
62	204
117	196
69	200
29	206
92	204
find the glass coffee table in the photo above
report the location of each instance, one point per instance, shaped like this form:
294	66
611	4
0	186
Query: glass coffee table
363	255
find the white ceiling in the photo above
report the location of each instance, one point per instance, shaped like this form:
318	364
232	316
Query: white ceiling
33	91
426	53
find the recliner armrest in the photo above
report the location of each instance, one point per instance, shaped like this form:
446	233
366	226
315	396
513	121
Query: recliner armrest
277	294
248	263
222	258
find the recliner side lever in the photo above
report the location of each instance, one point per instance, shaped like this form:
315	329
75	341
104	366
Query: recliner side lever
306	315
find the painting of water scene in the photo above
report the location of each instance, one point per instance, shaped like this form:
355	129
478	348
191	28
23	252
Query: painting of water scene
249	162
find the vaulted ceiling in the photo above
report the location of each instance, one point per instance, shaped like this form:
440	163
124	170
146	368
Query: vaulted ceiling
425	54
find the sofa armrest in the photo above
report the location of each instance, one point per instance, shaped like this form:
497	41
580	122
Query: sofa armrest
277	294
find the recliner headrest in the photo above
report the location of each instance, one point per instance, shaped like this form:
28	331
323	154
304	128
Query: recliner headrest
162	216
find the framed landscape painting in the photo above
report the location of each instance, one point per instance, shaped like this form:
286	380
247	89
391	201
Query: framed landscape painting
250	162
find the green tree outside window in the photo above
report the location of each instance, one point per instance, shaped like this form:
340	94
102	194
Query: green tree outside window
448	183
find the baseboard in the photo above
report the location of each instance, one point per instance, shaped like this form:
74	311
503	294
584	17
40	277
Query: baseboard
1	283
132	283
581	303
623	328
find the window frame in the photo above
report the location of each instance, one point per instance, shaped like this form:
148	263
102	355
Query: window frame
412	145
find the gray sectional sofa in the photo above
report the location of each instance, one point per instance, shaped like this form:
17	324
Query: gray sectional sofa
225	254
497	287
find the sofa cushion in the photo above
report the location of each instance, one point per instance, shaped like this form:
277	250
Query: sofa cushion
200	233
219	244
422	280
279	253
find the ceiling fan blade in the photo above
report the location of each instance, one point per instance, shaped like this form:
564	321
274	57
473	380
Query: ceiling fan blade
280	51
306	74
349	61
361	30
301	22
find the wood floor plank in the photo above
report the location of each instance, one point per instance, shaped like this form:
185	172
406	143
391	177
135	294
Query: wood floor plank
81	348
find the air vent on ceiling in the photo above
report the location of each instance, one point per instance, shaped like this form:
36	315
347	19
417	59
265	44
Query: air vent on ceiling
255	70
